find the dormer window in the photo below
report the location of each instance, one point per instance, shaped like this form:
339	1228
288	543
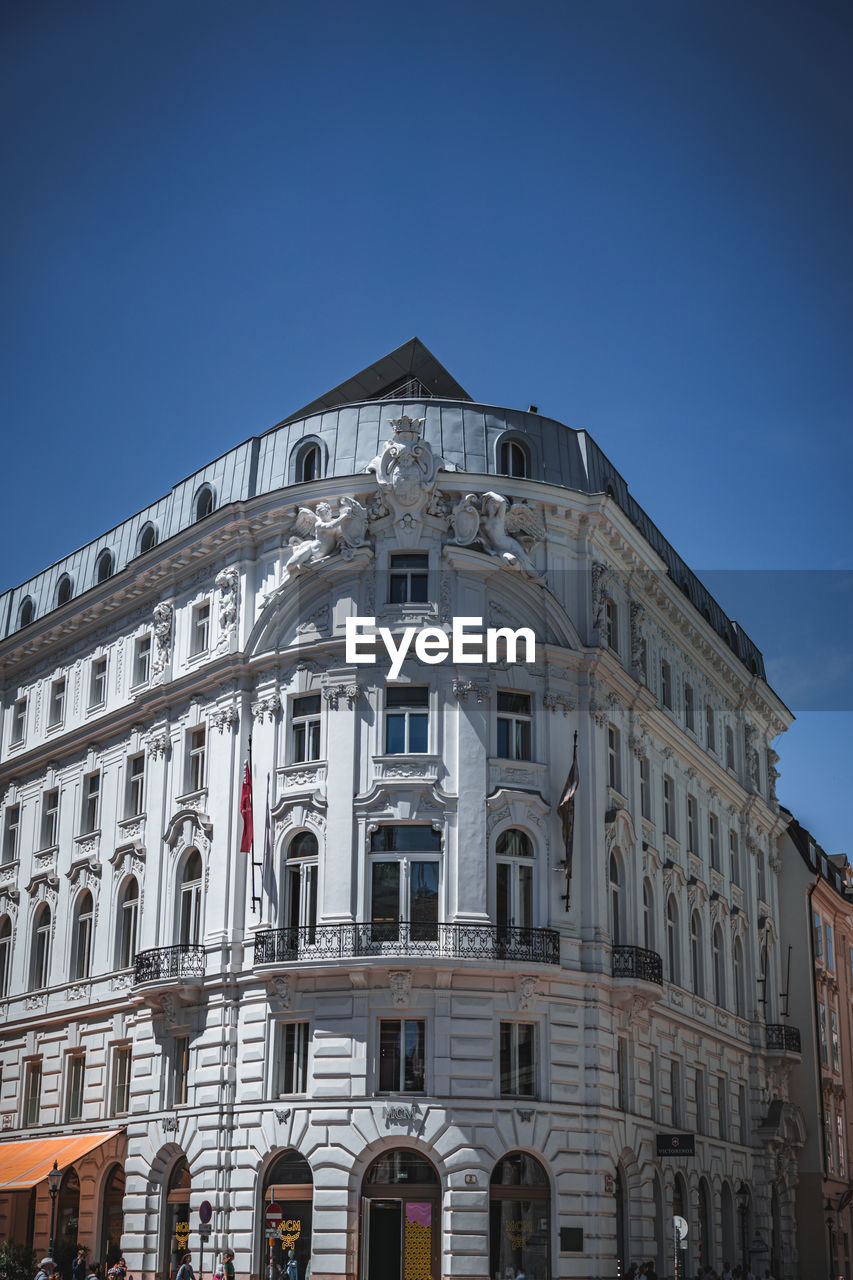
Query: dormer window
26	613
513	459
103	567
309	463
147	539
203	502
63	590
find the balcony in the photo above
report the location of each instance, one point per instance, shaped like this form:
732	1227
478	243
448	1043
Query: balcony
782	1037
168	967
407	938
637	962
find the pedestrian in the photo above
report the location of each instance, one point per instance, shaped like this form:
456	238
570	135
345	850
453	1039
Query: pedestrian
727	1272
651	1271
185	1270
228	1264
79	1267
47	1269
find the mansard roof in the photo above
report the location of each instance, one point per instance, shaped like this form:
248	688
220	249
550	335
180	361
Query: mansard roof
349	424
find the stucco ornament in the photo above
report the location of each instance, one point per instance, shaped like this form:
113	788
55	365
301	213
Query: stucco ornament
227	583
405	472
318	534
493	520
401	988
162	638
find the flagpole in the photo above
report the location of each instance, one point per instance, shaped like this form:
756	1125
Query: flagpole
255	899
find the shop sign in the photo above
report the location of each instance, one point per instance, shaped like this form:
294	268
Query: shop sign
182	1234
676	1144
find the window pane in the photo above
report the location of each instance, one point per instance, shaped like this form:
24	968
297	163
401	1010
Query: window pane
506	1064
525	897
389	1056
525	1059
419	588
414	837
519	703
414	1066
385	899
395	734
503	896
418	733
503	738
522	740
424	901
397	593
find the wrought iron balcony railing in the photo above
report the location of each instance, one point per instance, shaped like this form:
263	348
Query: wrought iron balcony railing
782	1036
408	938
163	964
637	962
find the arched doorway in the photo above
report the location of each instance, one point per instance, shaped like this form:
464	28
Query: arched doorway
400	1219
520	1218
177	1216
67	1219
112	1222
289	1184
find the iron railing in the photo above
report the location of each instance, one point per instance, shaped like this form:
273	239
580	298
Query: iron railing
408	938
637	962
782	1036
164	963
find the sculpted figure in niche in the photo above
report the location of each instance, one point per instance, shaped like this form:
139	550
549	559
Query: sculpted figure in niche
319	534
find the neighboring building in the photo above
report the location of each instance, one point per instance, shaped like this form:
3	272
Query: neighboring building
430	1060
816	903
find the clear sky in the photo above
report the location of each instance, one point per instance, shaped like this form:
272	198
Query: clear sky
635	215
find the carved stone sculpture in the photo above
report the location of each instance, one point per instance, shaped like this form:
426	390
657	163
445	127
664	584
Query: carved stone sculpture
401	988
493	520
319	534
405	472
162	638
227	584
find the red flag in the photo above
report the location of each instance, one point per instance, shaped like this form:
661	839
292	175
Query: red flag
246	811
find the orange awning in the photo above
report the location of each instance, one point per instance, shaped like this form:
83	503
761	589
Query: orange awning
23	1164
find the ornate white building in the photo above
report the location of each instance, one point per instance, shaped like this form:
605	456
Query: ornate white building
434	1063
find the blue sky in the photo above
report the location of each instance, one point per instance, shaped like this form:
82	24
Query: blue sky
636	216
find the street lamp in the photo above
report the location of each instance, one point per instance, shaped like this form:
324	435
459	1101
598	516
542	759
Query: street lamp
53	1180
742	1196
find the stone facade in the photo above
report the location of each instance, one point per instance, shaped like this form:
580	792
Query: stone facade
504	1012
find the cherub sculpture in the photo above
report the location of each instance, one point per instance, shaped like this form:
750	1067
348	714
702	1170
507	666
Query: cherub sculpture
318	534
491	519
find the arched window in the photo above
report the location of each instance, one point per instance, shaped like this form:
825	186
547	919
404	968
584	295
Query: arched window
301	888
309	462
147	538
5	955
648	916
401	1216
203	502
696	954
68	1209
26	613
519	1218
63	590
128	922
190	900
672	941
719	968
81	939
289	1183
178	1189
737	970
103	567
513	459
615	901
40	958
514	880
112	1226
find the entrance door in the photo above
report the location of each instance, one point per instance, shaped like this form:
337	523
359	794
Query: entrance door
400	1219
385	1236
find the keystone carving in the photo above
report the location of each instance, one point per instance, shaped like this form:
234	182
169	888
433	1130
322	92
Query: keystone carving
401	988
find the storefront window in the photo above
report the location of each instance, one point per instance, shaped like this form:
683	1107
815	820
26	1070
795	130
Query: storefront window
289	1184
519	1219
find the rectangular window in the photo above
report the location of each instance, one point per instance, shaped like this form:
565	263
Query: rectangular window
817	934
730	747
829	1145
98	683
723	1108
669	806
56	707
515	726
710	738
121	1079
611	619
408	579
402	1053
32	1093
11	832
135	785
646	788
622	1075
821	1018
76	1072
614	758
142	659
701	1101
666	683
305	728
518	1059
692	819
406	719
675	1094
292	1058
834	1040
734	861
91	803
689	708
714	840
830	953
196	752
743	1115
19	721
180	1070
200	629
842	1153
50	819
